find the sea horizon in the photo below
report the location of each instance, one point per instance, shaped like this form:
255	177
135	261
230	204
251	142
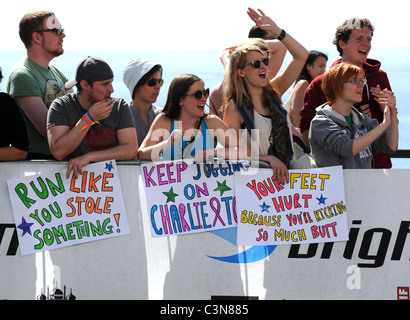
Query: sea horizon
395	61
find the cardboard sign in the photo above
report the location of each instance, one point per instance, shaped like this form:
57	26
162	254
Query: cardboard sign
311	208
51	211
184	197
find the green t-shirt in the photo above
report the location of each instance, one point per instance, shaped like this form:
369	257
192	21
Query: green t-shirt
349	120
29	79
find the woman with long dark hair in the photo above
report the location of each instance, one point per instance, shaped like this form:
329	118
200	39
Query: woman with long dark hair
315	65
183	129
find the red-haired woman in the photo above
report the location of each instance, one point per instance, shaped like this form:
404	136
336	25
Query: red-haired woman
339	134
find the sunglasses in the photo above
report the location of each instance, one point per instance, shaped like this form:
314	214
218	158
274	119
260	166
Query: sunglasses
198	94
153	82
358	81
257	63
58	32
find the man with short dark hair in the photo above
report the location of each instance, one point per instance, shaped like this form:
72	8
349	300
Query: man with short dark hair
33	82
89	125
353	41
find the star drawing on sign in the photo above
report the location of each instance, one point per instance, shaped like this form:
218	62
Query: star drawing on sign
265	207
171	195
321	199
25	226
222	187
109	166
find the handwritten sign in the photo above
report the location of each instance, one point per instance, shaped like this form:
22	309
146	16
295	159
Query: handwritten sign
310	209
51	211
184	197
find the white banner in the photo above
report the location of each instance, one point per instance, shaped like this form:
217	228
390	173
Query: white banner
311	208
184	197
51	211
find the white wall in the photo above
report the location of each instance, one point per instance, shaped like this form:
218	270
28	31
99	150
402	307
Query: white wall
179	267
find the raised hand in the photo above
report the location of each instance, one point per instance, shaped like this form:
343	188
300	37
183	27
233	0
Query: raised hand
264	22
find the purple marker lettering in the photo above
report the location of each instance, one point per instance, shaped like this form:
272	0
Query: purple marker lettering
170	173
147	177
160	175
181	166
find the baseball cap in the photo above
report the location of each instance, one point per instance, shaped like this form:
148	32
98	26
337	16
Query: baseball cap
91	69
135	70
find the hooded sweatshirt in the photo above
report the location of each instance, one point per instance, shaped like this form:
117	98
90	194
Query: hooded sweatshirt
314	97
331	139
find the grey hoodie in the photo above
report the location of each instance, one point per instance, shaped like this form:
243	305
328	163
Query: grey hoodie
331	139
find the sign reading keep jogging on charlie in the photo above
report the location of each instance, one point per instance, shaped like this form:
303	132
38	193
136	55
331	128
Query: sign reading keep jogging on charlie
311	208
184	197
51	211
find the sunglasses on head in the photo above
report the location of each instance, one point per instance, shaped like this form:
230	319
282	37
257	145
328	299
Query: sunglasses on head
154	82
198	94
257	63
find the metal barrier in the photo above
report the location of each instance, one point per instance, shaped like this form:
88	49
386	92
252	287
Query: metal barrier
401	153
373	264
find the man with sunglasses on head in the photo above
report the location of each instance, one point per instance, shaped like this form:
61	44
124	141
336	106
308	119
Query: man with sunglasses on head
33	82
143	79
89	125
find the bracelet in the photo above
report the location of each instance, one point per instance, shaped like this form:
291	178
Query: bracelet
282	35
93	121
88	114
86	120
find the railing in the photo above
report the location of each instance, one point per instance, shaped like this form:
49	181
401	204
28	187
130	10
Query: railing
401	153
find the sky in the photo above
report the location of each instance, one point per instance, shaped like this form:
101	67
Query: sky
201	25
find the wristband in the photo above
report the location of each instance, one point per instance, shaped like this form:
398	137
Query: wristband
282	35
88	114
86	120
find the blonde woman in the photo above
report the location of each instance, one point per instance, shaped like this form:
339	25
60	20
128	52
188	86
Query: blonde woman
253	101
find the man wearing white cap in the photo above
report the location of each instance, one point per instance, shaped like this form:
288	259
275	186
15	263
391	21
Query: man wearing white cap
90	125
143	79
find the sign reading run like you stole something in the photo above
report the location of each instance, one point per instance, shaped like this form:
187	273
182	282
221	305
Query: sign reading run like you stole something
52	211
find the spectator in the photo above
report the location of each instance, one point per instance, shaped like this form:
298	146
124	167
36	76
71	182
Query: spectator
353	41
183	130
89	125
13	134
253	100
143	79
33	81
277	52
339	133
314	67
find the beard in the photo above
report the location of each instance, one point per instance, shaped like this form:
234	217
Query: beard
55	52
